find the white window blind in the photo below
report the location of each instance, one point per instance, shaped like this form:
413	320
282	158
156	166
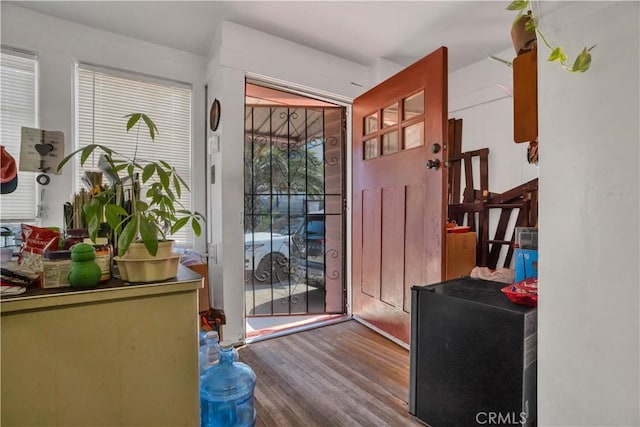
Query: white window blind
104	97
19	101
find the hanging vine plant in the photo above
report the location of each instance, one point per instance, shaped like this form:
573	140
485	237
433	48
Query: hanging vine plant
531	24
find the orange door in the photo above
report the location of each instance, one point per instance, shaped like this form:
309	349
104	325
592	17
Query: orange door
399	202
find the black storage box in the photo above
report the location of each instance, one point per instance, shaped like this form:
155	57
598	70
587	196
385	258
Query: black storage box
473	355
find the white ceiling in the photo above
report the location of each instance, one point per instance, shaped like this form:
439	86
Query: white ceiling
359	31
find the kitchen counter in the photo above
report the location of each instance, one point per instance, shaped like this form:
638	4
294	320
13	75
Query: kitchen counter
119	354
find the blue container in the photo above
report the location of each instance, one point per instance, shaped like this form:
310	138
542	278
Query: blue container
526	264
226	392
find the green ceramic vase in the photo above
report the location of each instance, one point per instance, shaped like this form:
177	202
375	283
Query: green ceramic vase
85	271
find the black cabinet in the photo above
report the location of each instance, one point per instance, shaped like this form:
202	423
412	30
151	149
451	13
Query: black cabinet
473	355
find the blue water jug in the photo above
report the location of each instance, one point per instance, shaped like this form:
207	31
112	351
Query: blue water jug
226	392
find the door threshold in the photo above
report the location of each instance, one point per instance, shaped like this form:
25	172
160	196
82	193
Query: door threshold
289	325
381	332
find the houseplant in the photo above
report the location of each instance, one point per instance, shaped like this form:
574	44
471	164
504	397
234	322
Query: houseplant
531	25
148	218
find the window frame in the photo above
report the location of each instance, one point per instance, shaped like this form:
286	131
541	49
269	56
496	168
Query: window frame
184	238
26	180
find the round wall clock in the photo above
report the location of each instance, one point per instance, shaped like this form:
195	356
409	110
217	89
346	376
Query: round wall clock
214	115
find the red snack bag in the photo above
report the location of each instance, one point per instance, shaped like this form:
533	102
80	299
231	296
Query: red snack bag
524	292
35	241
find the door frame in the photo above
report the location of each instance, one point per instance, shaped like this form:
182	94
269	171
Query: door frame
341	101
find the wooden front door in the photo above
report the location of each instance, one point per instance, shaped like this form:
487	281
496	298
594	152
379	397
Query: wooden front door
399	203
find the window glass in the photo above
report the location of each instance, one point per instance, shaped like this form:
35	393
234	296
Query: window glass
104	97
19	95
413	135
414	105
390	143
370	123
390	116
370	149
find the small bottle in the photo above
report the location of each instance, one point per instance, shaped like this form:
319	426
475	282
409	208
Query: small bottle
208	350
226	392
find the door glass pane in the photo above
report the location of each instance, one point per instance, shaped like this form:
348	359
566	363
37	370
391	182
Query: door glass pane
370	124
413	135
414	105
390	116
390	143
370	149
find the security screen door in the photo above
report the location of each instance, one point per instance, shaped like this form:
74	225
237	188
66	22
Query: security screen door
399	204
294	204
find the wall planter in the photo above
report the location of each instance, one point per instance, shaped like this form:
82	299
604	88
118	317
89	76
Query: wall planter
522	36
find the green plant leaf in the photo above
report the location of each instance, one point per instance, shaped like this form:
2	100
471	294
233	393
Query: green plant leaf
113	215
141	206
66	160
166	165
149	236
164	177
133	119
195	225
176	185
93	208
170	198
115	210
582	62
531	24
148	171
171	203
86	152
518	5
179	224
127	236
94	227
182	181
153	129
558	54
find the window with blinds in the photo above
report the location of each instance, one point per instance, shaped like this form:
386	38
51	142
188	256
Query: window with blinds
19	103
104	97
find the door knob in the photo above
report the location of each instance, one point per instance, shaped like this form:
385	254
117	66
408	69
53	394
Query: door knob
433	164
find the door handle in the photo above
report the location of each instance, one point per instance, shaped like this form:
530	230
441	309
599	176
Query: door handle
433	164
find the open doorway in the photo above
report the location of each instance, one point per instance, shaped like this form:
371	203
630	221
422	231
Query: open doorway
294	192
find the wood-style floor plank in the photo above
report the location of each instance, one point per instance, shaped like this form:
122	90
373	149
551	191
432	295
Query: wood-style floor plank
339	375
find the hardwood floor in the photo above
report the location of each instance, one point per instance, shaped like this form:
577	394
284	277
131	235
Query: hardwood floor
339	375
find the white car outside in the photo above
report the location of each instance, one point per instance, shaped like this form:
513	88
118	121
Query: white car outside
267	254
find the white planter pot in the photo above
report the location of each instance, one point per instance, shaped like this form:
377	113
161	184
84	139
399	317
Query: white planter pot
148	270
137	250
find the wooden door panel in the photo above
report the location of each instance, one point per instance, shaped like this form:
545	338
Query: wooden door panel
371	241
391	285
399	206
415	251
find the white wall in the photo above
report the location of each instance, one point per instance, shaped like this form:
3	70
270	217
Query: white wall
589	315
58	43
479	95
237	52
486	110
